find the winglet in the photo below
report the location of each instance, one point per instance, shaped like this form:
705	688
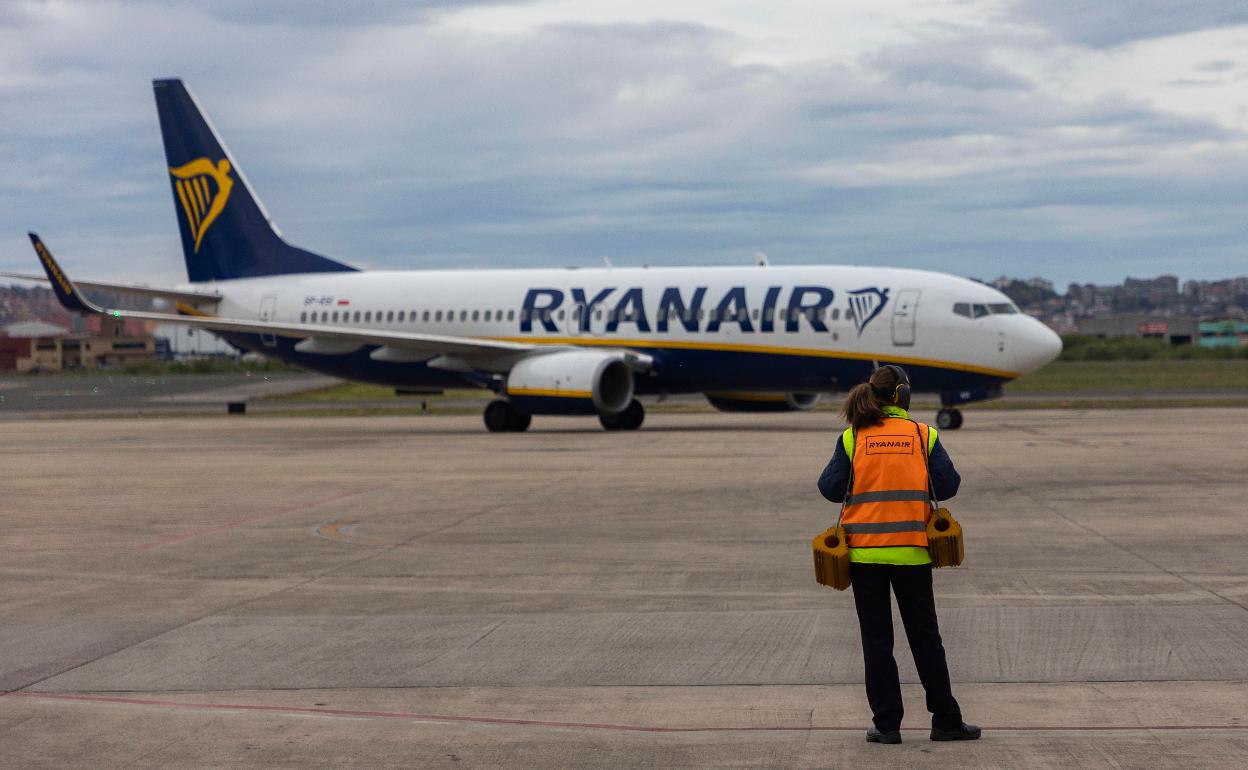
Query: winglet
61	286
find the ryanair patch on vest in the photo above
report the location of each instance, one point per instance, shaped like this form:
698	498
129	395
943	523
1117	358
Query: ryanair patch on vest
890	445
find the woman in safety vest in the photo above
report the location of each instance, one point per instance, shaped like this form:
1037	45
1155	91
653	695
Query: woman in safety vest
890	466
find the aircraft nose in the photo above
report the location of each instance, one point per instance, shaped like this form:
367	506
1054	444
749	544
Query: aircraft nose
1038	346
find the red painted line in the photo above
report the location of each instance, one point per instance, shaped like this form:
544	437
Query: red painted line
193	533
417	717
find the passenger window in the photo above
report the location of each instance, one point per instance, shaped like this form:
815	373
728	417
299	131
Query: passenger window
836	313
438	317
357	316
511	315
962	309
324	316
303	317
334	317
368	316
425	316
755	314
476	315
487	316
560	315
401	316
598	315
463	316
979	310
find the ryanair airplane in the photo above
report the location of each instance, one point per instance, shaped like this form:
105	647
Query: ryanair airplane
570	341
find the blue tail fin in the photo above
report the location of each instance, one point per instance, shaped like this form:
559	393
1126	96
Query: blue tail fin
226	233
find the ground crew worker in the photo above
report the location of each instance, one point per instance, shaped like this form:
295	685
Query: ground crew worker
882	462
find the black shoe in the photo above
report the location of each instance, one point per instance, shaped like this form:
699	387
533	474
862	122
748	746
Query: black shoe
875	736
964	733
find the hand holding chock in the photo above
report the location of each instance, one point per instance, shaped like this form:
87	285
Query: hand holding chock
944	539
832	558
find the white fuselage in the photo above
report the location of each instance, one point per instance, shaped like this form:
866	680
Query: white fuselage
822	312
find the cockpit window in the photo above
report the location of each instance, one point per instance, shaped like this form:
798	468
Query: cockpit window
1003	308
979	311
962	309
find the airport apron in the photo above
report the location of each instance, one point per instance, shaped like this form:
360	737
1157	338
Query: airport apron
889	499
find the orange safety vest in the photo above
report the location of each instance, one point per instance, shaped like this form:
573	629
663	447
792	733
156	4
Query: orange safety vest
888	502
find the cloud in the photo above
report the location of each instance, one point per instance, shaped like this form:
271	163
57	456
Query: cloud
1104	24
411	141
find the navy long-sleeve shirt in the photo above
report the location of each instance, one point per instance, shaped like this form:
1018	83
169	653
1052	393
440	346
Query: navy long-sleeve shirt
945	478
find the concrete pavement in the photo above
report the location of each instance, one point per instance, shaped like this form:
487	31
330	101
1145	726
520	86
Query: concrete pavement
414	592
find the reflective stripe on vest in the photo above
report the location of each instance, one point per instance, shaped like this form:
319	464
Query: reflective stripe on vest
885	527
889	502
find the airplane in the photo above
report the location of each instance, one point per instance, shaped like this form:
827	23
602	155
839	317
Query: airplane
574	341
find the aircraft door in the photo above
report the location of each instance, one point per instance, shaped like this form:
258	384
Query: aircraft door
904	310
268	308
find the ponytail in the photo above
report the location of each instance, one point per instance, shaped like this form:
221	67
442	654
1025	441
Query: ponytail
864	406
861	408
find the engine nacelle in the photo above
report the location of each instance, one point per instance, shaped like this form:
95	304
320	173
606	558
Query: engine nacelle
571	382
762	402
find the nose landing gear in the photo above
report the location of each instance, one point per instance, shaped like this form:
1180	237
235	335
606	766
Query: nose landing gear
949	419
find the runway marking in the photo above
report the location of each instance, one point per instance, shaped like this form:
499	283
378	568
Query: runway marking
409	716
343	531
194	533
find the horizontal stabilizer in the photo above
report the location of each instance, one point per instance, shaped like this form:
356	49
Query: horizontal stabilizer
156	292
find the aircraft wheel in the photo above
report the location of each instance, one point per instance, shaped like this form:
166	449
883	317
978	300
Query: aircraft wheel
949	419
610	421
633	416
501	417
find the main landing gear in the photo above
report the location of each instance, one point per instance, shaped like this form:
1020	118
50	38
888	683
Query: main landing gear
949	419
629	419
502	417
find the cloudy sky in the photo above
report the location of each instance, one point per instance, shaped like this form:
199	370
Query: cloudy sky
1075	140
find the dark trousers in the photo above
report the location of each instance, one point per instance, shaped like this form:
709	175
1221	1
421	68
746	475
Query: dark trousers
913	586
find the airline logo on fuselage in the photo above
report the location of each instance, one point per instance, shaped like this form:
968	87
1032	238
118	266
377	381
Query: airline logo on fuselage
203	188
865	305
606	310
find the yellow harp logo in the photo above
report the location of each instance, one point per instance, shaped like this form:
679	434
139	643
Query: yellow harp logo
202	189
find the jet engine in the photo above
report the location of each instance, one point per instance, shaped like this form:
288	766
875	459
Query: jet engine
762	402
571	382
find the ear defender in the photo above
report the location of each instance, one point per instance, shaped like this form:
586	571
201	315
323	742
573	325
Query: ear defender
901	393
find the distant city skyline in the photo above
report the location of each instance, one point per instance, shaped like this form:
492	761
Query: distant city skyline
1080	141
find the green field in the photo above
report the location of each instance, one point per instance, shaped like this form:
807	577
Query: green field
1136	377
363	392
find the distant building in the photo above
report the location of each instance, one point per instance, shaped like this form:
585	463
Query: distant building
43	347
1177	330
1230	333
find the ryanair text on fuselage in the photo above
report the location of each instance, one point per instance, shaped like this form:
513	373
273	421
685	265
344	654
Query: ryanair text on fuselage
676	310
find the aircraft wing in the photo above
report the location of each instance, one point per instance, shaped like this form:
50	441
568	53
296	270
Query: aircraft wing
175	295
477	353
